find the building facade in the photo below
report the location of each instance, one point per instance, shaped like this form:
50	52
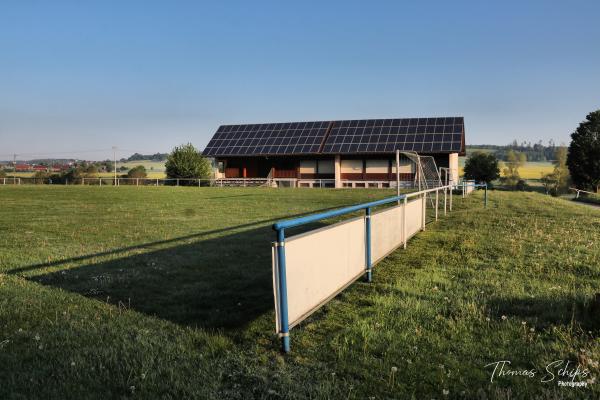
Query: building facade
336	153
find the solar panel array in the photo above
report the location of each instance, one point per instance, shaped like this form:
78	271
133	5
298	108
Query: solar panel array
423	135
427	135
267	139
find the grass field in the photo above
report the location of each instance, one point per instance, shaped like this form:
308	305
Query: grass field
166	293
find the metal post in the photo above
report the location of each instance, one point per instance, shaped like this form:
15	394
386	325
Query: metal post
83	181
451	190
424	206
404	221
368	243
485	196
137	181
283	306
100	182
445	198
398	174
436	204
156	182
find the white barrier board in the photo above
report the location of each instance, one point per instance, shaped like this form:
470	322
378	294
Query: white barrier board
387	230
320	264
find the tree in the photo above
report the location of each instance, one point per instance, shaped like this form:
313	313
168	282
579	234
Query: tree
2	173
482	167
139	171
185	161
583	159
514	161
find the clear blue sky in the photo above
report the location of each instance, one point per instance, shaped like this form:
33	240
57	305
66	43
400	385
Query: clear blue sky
146	76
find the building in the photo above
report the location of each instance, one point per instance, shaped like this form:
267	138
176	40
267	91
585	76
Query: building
335	153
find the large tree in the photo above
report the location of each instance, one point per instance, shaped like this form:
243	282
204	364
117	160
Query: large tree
482	167
584	153
186	162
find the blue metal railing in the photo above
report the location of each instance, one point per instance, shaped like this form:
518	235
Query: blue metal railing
281	226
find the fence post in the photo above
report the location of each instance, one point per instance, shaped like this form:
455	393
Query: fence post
451	190
424	206
436	204
156	182
404	221
368	243
283	306
485	196
83	181
445	198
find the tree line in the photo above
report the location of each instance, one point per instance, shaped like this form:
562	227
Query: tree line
579	164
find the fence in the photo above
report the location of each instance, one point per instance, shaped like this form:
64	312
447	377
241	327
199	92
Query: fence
223	182
311	268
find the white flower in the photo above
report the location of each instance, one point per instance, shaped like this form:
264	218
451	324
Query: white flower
446	392
524	323
504	318
488	319
394	369
37	337
532	330
72	363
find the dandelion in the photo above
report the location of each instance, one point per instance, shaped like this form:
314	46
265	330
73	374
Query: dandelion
72	363
446	392
408	361
445	298
394	369
20	330
487	319
504	318
132	388
40	347
531	330
524	323
435	288
37	337
143	375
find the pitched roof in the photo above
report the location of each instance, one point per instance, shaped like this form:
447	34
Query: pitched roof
377	136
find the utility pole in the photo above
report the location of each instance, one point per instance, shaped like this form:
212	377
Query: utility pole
115	162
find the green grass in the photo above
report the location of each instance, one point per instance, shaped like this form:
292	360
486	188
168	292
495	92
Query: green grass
166	293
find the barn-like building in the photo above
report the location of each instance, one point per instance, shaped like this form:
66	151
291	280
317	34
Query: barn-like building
345	153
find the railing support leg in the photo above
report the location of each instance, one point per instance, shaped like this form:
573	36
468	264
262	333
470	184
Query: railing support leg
283	306
368	244
436	204
485	196
405	239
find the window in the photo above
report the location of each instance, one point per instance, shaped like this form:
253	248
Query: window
308	167
352	166
377	166
326	167
406	167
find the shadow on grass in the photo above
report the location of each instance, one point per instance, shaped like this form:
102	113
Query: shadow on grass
223	282
550	311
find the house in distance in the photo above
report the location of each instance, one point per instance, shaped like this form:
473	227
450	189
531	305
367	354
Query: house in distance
349	153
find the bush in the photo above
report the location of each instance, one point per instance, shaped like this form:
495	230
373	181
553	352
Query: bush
482	167
186	162
139	171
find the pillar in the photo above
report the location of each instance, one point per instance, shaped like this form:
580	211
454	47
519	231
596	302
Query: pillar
453	165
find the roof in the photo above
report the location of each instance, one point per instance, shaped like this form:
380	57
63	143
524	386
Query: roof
376	136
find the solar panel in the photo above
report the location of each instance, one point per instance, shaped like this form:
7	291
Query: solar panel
427	135
267	139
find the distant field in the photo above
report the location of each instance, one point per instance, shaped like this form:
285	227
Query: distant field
531	170
156	169
167	293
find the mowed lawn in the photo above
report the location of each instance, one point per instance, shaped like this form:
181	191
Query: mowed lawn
167	293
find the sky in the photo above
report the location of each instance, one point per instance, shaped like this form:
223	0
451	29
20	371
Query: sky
78	77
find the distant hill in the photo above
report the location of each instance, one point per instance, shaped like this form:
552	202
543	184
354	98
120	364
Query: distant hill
146	157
